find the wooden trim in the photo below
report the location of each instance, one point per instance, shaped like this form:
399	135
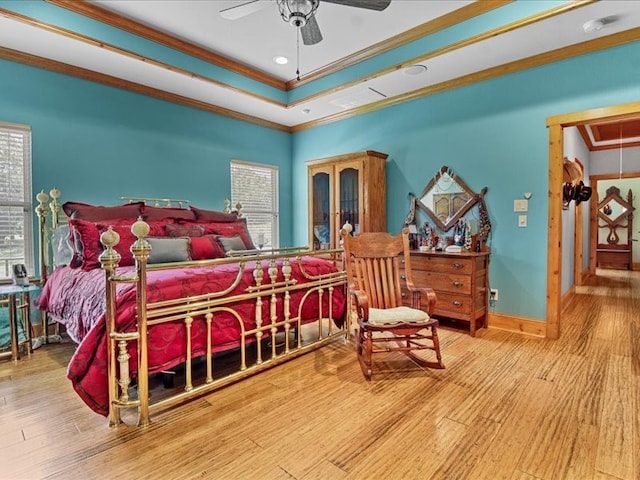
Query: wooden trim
428	28
594	148
443	50
347	156
556	125
512	323
519	65
488	74
129	54
612	176
554	233
136	28
59	67
578	242
615	112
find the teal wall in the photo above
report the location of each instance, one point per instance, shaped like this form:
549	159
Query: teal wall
97	143
492	134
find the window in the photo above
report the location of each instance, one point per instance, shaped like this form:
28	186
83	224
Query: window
16	229
255	186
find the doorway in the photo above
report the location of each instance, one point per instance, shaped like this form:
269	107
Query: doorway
554	235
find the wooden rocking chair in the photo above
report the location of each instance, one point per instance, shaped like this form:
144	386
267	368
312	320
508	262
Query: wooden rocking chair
375	264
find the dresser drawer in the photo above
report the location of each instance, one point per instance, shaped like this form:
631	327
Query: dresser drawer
454	306
443	282
444	264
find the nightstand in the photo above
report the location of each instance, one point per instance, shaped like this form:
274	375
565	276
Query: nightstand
18	300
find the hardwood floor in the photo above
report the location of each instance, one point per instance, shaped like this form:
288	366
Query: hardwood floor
507	406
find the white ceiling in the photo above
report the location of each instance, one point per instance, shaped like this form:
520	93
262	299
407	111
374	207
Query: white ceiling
255	39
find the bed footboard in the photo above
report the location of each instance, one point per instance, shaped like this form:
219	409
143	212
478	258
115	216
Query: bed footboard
277	332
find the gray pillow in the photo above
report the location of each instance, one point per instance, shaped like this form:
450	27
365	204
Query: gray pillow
169	249
232	243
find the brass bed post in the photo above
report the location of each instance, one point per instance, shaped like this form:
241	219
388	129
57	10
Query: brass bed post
41	212
141	249
109	260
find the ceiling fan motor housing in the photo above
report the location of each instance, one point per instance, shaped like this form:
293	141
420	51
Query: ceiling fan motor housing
297	12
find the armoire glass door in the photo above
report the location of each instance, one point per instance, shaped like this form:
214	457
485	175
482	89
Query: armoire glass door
349	208
321	210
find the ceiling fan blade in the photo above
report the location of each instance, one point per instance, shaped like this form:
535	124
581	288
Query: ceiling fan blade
378	5
239	11
311	32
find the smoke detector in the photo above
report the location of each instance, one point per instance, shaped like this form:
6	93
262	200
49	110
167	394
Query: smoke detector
593	25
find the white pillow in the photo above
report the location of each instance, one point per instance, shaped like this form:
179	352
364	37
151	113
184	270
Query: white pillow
61	246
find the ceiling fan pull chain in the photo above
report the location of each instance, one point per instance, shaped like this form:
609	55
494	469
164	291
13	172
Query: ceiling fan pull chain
298	53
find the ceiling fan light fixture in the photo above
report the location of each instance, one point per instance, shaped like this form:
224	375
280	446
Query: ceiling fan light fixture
297	12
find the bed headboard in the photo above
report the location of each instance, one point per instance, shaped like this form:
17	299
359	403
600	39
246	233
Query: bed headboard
158	202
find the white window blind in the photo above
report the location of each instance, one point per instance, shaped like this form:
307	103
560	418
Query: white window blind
16	227
255	186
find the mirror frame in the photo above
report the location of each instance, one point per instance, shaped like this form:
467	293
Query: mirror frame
473	200
613	194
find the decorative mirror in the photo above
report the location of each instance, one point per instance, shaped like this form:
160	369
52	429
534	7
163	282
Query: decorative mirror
615	235
446	199
613	209
457	215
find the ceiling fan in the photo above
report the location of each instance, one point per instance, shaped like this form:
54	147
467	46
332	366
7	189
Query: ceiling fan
301	13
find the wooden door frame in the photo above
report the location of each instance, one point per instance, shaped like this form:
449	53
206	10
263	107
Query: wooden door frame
555	125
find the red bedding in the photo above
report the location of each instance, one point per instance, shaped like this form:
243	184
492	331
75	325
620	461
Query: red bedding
76	299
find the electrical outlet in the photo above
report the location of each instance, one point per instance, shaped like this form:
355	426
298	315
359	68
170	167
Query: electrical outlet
494	294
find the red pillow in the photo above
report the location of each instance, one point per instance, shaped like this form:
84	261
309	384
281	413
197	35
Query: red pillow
186	229
88	246
213	216
229	229
205	247
98	213
150	213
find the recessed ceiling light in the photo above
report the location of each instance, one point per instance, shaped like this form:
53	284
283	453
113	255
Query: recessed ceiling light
306	111
280	60
415	69
593	25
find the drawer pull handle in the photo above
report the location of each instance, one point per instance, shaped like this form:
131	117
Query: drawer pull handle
458	265
456	303
457	284
404	295
402	261
403	277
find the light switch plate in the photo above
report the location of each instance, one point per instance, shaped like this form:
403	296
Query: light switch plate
520	205
522	221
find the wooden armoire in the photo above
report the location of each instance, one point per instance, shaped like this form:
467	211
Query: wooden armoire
346	188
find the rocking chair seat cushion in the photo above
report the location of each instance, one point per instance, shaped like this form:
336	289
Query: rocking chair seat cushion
389	316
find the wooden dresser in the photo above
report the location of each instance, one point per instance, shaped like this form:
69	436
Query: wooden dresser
460	281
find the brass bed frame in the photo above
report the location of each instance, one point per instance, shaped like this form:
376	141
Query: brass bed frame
267	350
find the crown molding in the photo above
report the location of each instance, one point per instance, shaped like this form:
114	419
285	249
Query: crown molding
83	73
460	15
115	20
